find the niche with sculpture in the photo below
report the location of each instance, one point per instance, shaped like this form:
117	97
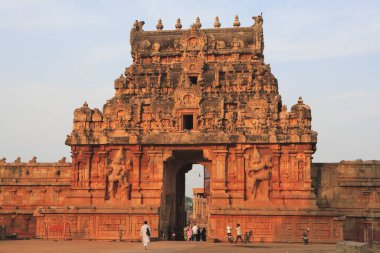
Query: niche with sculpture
118	177
258	175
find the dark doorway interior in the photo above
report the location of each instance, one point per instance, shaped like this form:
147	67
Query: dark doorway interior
193	79
188	122
173	215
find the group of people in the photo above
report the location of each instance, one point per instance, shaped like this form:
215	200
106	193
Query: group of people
239	234
194	233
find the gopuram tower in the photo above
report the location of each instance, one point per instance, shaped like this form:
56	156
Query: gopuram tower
192	96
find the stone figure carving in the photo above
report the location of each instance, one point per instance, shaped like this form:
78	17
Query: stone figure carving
18	160
62	160
118	177
258	171
33	160
258	25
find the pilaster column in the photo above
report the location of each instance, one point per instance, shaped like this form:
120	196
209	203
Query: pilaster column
87	176
103	161
136	175
307	167
276	186
219	193
239	164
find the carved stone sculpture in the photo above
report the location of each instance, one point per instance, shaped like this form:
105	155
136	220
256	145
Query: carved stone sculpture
118	177
258	171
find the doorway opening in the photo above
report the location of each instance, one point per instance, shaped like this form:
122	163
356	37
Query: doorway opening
187	122
185	194
193	79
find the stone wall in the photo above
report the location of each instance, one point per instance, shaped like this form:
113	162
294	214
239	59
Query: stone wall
24	187
353	189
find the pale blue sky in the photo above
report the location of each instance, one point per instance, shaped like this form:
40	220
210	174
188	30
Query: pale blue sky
54	55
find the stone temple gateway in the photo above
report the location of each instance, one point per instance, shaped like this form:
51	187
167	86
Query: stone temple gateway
191	96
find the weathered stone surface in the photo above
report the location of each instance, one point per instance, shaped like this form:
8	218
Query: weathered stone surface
191	96
352	188
351	247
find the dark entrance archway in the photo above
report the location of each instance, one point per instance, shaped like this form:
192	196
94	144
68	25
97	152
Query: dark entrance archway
172	212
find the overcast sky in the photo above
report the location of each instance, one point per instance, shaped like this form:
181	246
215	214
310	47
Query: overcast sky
54	55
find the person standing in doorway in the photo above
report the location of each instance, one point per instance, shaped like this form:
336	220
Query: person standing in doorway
185	233
203	233
238	233
195	232
189	233
145	234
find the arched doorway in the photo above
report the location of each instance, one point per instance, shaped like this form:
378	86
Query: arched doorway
173	217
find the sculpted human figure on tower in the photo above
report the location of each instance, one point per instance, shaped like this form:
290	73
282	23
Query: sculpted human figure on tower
258	173
118	177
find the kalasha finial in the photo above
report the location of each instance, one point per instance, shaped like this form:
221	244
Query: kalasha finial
236	21
217	23
300	100
198	23
159	25
178	25
85	104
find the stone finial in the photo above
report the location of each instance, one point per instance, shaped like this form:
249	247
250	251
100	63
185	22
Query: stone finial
135	24
198	24
3	160
33	160
159	25
85	104
300	100
217	23
63	160
18	160
236	21
178	25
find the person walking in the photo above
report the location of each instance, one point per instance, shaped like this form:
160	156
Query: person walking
195	232
145	234
229	234
305	236
238	233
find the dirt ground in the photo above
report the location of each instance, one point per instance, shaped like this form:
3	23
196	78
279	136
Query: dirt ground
42	246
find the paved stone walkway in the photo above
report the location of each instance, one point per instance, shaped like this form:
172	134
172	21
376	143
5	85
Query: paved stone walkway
41	246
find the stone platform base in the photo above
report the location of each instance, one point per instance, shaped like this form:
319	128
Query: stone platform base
278	225
18	225
95	224
351	247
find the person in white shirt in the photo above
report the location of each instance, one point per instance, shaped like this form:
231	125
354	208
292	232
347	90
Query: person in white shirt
238	233
145	234
229	233
195	232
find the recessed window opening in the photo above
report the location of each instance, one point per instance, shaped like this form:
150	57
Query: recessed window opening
187	122
222	76
193	79
164	78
